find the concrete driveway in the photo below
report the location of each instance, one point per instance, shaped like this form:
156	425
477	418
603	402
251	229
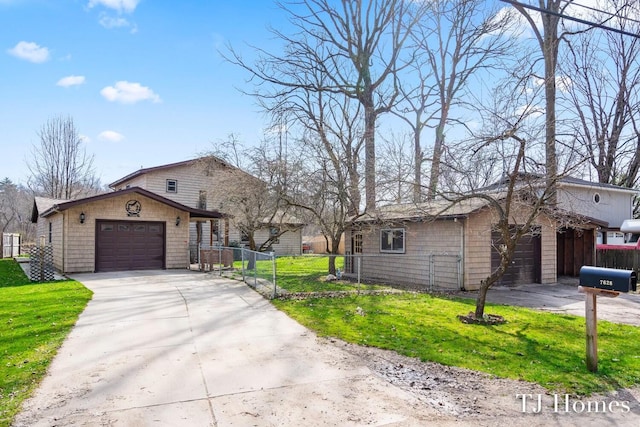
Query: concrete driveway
564	297
168	348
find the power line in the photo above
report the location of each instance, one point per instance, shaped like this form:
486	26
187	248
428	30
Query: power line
571	18
611	15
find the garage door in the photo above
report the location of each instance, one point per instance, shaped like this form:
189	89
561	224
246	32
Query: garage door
525	266
129	245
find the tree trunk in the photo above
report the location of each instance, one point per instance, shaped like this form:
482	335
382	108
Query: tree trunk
417	180
435	163
370	157
550	53
482	298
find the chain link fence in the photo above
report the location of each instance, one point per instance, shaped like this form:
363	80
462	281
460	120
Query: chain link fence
256	269
429	272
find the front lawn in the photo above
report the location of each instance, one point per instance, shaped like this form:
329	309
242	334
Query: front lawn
540	347
34	320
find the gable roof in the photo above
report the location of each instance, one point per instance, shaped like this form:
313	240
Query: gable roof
565	181
444	209
42	204
191	162
64	205
571	181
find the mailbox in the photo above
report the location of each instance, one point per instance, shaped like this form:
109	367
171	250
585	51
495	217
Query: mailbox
608	278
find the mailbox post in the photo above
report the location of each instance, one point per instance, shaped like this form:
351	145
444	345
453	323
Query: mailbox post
606	282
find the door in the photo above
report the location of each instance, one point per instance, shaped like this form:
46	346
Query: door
129	245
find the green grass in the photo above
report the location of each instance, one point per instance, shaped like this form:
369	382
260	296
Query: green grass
34	320
545	348
308	273
304	273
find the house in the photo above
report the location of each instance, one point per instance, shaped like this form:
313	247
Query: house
211	183
132	229
457	246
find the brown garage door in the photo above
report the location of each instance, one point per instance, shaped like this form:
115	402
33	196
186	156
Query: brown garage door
129	245
525	266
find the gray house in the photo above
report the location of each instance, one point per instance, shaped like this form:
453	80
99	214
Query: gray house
457	247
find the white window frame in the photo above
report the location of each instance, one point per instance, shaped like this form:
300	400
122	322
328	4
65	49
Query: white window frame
386	232
174	183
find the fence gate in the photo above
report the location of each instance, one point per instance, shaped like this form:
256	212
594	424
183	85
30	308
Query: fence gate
10	245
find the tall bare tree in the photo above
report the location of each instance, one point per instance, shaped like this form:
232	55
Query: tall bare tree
548	38
329	148
396	180
604	95
510	138
59	165
356	45
460	38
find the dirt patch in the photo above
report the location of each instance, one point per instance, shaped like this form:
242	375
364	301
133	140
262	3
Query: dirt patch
476	398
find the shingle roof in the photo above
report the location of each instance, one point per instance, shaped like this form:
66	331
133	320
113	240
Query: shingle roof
67	204
143	171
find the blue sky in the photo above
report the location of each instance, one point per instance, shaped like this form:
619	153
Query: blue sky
142	79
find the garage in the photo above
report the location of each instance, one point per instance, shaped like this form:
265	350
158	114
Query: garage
129	245
526	264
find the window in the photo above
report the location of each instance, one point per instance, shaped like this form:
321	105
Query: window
202	200
596	198
357	243
50	232
392	240
172	186
244	237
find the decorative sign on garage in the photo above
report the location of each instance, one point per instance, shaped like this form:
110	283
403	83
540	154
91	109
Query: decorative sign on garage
133	208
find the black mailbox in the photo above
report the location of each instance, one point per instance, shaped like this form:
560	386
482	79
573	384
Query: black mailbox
608	278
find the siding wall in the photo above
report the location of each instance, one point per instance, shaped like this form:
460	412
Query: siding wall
411	268
471	236
614	206
477	254
80	238
57	241
196	177
191	180
290	243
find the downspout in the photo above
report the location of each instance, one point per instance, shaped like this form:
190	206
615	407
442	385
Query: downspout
461	272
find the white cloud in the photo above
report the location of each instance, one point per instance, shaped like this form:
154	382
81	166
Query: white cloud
30	51
129	93
71	81
563	82
110	136
110	22
127	6
84	138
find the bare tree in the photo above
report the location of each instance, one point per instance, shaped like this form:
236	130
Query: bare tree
327	181
461	38
59	165
510	135
603	95
248	187
8	207
396	180
357	46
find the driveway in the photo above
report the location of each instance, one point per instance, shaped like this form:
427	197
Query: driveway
168	348
564	297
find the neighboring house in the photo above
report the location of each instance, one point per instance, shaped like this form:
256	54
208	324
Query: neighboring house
398	242
205	183
132	229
